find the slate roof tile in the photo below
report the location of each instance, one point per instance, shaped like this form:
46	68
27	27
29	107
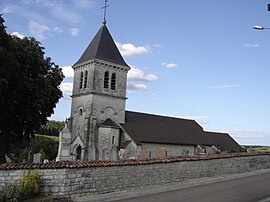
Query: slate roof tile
102	47
149	128
224	141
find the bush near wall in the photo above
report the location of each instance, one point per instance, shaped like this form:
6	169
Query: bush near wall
28	187
11	193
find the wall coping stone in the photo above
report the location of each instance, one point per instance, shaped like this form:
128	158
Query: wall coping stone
102	163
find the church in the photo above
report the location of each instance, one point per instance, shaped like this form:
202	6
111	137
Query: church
100	128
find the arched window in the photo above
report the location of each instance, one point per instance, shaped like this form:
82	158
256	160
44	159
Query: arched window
106	79
85	79
113	81
81	80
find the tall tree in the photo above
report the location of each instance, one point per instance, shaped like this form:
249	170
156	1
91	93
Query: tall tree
52	128
29	88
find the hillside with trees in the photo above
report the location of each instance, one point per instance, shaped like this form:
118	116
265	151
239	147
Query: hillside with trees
51	128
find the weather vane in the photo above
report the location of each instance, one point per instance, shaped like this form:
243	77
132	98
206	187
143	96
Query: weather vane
105	8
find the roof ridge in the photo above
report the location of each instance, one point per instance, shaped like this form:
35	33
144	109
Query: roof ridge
159	115
219	133
109	122
101	29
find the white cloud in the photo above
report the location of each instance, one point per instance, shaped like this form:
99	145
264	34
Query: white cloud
17	34
66	88
251	45
131	50
38	30
60	12
74	31
132	86
58	29
30	14
169	65
228	86
40	2
7	10
68	72
135	74
59	9
130	92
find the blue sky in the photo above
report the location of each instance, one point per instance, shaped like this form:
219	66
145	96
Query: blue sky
196	59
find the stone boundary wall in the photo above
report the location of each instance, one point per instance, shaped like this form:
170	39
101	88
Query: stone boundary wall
81	178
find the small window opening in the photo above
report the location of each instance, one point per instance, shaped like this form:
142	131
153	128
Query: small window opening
113	81
78	152
81	80
106	80
85	79
81	111
113	139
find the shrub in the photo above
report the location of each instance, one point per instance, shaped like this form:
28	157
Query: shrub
10	193
30	185
47	144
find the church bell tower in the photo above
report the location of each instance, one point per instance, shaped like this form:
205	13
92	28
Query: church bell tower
99	96
99	92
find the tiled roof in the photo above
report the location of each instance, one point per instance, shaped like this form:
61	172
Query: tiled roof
102	47
86	164
149	128
224	141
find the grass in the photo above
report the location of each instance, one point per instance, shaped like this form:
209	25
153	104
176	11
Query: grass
55	138
258	148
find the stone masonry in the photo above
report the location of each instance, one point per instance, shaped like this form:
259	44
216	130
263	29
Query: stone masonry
81	178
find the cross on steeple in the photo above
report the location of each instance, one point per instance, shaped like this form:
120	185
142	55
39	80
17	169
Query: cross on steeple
105	8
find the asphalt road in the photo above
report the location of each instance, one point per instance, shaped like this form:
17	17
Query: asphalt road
246	189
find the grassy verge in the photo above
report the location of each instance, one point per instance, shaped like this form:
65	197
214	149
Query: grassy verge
257	148
54	138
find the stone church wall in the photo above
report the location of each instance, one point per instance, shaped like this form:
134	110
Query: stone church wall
81	178
108	139
169	150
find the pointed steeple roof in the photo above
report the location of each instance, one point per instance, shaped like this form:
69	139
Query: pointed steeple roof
102	47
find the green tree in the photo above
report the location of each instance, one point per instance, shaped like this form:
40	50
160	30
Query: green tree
52	128
29	88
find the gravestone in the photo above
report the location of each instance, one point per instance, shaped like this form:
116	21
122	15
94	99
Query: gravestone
37	158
